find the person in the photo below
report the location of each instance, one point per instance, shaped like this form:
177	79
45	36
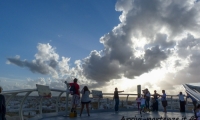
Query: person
155	96
76	95
116	97
3	104
85	99
138	100
147	99
182	102
194	102
197	111
142	104
164	100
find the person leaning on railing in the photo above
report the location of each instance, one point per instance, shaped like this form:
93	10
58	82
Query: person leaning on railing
2	105
182	102
116	97
164	100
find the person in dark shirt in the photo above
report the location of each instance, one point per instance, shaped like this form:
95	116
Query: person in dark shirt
116	97
155	96
3	104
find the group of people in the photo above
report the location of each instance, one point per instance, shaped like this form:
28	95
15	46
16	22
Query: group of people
85	99
143	101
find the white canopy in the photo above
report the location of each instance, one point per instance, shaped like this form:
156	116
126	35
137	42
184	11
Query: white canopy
194	91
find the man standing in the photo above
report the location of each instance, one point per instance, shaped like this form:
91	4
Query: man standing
147	99
2	106
116	97
75	95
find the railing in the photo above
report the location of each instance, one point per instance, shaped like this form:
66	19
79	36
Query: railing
27	92
173	104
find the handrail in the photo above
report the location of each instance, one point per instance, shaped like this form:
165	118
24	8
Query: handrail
29	91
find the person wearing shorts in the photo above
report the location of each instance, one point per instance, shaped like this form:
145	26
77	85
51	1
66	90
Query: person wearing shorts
164	101
138	101
75	96
142	104
85	99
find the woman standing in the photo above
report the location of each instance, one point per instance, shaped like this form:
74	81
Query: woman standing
164	100
85	100
182	102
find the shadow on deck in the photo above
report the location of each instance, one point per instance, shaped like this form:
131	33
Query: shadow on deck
128	115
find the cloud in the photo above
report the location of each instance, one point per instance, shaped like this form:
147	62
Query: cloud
46	62
152	35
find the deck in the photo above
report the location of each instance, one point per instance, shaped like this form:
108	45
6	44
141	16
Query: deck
128	115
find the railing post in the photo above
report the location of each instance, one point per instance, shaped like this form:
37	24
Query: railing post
57	101
127	99
171	102
21	106
40	107
8	100
67	97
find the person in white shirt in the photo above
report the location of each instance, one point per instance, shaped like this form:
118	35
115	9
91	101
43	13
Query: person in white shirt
85	99
182	102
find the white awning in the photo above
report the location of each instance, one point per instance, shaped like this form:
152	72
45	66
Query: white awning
194	91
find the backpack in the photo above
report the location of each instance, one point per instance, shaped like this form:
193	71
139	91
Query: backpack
72	89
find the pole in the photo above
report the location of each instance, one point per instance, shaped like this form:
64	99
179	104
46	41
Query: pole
67	97
139	89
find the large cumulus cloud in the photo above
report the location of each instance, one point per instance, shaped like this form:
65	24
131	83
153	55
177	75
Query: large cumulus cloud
152	35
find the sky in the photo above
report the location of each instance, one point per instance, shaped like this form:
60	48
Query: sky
105	44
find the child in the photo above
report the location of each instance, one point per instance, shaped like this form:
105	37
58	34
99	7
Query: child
142	104
138	101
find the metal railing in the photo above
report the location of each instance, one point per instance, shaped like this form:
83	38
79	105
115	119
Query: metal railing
27	92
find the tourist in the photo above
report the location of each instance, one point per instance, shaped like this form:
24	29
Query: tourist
138	100
155	96
116	97
182	102
142	104
164	100
147	99
75	95
3	104
197	111
85	99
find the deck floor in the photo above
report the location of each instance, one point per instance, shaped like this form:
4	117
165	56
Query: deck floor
126	114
